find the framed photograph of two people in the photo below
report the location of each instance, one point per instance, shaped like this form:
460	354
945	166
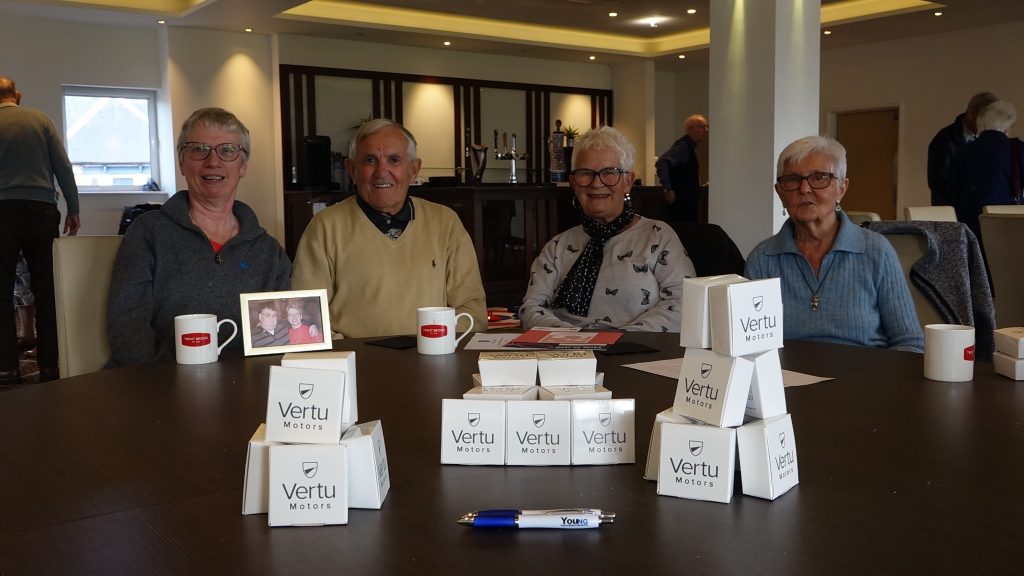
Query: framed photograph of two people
289	321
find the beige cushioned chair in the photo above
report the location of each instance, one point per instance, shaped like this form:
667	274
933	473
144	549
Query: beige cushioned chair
81	280
1002	235
933	213
1003	209
859	218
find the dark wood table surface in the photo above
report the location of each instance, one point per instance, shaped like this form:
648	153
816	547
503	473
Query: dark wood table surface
139	470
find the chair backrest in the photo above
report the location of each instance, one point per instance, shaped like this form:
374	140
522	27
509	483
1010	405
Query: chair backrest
710	248
1003	209
910	248
859	218
82	266
933	213
1002	234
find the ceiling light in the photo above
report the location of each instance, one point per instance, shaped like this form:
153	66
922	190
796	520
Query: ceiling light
828	32
248	29
682	56
447	43
938	13
161	21
593	57
691	11
652	21
613	14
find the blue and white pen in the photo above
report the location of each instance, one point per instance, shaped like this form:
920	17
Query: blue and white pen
563	518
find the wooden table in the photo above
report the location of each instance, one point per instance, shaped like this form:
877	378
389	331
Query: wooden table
139	470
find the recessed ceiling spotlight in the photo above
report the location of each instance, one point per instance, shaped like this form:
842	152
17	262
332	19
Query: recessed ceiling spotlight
652	21
828	32
682	56
938	13
593	57
691	11
248	29
447	43
161	21
613	14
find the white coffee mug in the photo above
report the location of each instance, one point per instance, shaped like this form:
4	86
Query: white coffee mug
436	329
195	338
949	352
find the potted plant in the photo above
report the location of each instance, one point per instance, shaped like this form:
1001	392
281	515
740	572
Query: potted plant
570	135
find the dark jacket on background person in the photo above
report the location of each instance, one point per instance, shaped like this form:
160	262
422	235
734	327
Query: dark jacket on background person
941	152
679	171
166	267
982	176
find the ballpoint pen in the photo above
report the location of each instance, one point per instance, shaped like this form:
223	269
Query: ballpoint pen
563	518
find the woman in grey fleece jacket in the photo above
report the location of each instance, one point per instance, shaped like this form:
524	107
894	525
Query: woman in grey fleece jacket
198	252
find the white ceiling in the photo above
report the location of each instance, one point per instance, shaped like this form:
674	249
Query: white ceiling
550	24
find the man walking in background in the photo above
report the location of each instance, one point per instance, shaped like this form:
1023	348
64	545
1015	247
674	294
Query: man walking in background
947	142
679	172
31	155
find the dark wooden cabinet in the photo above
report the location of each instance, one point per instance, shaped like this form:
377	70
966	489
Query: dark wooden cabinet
508	224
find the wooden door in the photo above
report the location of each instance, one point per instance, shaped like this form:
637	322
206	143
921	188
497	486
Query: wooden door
871	138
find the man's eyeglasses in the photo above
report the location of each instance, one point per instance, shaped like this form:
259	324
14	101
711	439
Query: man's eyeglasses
816	180
608	176
227	151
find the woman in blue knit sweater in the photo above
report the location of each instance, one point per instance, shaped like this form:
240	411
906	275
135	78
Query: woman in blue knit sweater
840	283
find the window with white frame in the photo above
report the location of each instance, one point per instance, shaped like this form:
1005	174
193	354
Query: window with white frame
111	136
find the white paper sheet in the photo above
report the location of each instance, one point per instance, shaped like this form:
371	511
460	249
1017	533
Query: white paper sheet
670	369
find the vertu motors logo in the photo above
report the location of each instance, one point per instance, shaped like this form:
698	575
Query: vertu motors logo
705	369
473	418
305	390
782	439
758	303
696	447
539	419
309	469
605	418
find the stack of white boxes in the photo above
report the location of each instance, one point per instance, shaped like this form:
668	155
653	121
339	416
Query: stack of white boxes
507	418
1009	357
309	463
732	330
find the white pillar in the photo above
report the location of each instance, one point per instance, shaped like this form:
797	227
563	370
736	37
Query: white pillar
764	93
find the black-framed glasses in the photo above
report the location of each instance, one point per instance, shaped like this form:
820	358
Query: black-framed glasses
816	180
609	176
227	151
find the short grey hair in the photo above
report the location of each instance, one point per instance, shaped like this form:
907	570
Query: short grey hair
999	115
219	119
804	147
376	125
608	138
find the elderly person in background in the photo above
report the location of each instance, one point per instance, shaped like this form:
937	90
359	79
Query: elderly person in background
198	252
840	283
983	172
615	270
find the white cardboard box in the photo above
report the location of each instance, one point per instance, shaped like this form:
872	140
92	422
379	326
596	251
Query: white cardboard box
767	396
1008	366
508	368
1010	341
695	329
573	393
746	317
697	462
304	405
603	431
713	388
500	392
768	463
654	448
472	432
539	434
308	485
257	473
340	361
567	367
368	477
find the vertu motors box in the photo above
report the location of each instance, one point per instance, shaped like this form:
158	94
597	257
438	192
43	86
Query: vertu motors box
595	392
713	388
1008	366
257	473
603	431
1010	341
767	396
768	463
339	361
308	485
746	317
697	462
368	477
508	368
695	331
304	405
472	432
538	434
501	392
654	448
567	368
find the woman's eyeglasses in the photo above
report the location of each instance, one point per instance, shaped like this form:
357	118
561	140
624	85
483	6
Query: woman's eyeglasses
608	176
816	180
227	151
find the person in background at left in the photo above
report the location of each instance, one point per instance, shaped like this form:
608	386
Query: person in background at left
31	156
382	253
679	172
198	252
617	269
840	283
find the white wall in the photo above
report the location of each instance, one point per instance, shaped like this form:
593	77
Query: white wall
43	55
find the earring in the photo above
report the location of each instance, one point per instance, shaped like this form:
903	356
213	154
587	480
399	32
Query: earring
575	202
783	210
838	207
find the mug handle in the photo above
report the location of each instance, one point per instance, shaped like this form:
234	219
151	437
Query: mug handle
230	338
468	330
